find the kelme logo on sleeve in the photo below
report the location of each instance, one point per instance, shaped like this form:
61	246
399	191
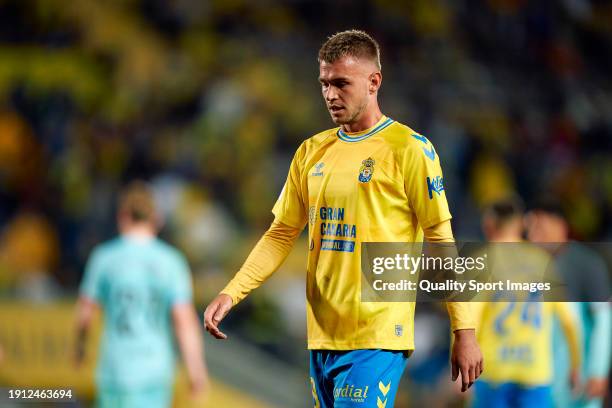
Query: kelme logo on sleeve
436	184
366	170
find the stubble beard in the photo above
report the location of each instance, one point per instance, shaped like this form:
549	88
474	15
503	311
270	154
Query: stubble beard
354	117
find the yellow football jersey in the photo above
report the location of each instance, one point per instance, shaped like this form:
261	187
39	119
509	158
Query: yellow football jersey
516	337
380	185
516	340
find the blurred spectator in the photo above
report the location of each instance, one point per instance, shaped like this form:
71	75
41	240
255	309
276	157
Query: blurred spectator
29	250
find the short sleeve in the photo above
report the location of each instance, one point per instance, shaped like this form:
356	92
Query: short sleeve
424	183
91	285
290	206
181	290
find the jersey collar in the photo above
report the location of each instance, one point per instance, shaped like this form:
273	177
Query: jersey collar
364	134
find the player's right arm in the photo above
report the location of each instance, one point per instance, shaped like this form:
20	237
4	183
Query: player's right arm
571	331
599	350
265	258
271	250
185	322
189	339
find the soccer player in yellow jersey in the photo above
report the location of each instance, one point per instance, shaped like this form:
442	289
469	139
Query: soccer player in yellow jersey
372	179
585	275
516	337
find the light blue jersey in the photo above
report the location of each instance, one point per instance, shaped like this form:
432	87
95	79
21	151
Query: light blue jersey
136	282
585	274
595	330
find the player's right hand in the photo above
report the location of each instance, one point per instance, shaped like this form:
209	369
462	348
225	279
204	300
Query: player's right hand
199	385
596	387
215	312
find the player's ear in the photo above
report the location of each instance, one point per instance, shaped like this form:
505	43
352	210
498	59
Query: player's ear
375	81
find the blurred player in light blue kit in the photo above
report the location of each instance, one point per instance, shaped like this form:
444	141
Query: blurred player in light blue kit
586	276
143	287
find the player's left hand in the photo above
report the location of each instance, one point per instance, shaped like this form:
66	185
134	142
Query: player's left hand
466	358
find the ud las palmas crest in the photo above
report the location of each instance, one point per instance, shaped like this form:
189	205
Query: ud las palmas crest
366	170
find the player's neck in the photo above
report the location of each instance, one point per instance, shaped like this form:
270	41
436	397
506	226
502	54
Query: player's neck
139	232
367	120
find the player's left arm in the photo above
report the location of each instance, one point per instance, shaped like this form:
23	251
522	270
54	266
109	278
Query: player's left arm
425	190
86	309
87	304
466	357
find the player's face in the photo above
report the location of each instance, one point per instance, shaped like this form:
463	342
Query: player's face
346	85
544	227
510	231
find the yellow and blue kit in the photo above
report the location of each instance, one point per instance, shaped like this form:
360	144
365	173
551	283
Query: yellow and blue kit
516	338
383	184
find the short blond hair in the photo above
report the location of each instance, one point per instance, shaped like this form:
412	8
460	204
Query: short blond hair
355	43
137	202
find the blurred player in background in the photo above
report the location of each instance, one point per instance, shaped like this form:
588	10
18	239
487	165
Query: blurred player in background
586	276
143	287
516	337
370	180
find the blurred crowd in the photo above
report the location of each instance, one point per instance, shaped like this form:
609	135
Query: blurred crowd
208	100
